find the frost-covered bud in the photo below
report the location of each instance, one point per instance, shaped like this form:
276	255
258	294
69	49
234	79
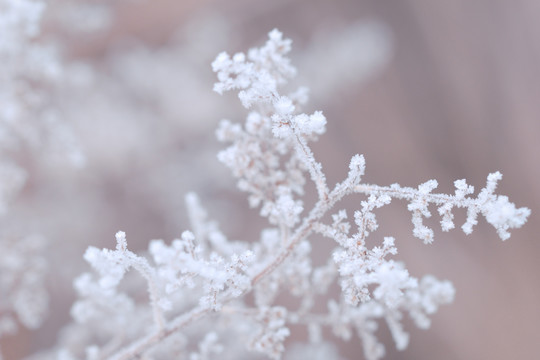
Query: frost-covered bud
310	124
285	210
317	123
435	293
273	332
256	123
222	62
492	181
357	167
121	242
284	106
462	189
472	216
239	58
281	128
427	187
503	215
227	131
109	264
392	278
445	211
276	37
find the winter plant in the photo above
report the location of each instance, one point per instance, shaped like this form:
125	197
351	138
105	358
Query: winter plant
206	296
205	288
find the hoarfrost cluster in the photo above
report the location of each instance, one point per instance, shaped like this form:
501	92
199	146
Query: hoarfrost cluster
208	295
30	70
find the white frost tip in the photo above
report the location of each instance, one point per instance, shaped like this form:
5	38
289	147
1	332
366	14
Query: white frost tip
121	242
275	35
318	122
284	106
428	186
188	236
358	164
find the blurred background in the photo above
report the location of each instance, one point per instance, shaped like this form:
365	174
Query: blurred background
425	90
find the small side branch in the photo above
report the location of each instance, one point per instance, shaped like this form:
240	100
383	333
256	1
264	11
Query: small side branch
142	345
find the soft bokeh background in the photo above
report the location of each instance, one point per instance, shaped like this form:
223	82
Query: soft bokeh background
453	93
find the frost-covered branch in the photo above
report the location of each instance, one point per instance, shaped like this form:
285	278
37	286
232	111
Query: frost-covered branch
205	291
497	210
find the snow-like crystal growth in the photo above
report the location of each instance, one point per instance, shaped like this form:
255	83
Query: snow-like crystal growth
205	295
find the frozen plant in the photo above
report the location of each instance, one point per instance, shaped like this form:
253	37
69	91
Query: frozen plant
30	71
208	295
